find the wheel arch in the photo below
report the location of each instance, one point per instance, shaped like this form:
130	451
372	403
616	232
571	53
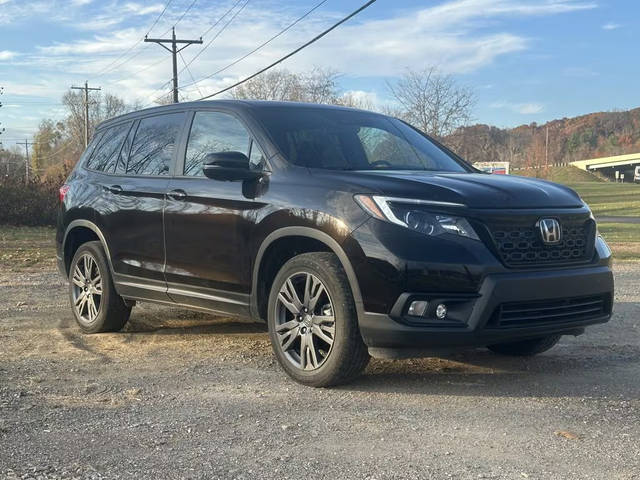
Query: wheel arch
74	228
320	238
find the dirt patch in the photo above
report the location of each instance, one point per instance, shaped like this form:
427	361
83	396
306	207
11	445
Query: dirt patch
179	395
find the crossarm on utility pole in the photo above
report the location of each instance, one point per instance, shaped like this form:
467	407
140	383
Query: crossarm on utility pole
86	89
174	51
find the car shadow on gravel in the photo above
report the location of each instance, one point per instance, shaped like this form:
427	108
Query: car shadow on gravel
588	371
187	322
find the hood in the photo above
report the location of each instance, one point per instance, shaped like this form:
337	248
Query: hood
476	190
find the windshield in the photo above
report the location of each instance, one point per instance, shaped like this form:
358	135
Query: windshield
352	140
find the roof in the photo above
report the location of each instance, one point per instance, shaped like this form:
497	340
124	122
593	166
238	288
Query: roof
235	104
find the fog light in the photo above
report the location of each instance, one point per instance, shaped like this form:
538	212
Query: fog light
418	308
441	311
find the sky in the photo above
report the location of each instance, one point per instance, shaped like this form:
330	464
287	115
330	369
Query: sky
526	60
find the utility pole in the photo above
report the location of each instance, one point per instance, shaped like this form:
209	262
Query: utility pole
174	52
86	110
546	147
26	144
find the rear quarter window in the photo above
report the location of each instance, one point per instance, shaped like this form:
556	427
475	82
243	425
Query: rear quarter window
105	156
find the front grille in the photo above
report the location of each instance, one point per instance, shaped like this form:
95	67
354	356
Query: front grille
525	314
520	244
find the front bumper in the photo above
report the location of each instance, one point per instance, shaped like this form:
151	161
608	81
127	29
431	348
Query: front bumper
476	323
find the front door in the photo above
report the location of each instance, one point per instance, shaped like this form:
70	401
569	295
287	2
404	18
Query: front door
208	222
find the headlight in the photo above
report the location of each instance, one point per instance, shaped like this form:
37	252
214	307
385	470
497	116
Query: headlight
405	212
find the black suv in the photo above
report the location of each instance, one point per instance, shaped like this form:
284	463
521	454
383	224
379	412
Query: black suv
350	233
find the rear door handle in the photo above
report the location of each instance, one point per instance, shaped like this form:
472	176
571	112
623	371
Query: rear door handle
114	189
177	194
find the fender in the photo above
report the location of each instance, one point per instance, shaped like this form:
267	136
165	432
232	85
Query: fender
93	227
308	232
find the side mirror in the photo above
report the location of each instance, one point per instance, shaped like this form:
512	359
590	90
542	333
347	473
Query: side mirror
228	166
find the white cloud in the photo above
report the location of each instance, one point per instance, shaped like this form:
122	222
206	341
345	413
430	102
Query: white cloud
50	89
138	9
527	108
7	55
611	26
114	43
459	36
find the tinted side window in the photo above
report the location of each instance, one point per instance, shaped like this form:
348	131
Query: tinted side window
154	144
106	154
86	155
213	132
121	165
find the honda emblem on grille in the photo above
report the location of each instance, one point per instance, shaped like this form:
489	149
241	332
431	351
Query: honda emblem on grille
550	230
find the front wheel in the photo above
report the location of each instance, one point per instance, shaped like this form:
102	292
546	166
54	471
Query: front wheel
313	323
525	348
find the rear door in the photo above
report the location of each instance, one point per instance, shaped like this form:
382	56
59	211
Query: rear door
134	213
208	223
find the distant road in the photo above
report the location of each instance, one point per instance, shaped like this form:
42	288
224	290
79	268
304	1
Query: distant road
618	219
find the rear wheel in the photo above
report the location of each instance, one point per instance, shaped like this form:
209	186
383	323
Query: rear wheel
313	323
96	305
526	348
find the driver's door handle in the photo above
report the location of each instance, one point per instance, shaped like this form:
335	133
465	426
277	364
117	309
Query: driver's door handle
114	189
177	194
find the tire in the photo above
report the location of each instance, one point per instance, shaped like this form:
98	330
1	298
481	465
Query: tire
526	348
329	297
102	309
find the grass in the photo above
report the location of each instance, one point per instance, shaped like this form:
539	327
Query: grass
604	198
566	175
27	248
608	198
623	239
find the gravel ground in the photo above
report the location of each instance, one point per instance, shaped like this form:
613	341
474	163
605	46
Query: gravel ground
186	395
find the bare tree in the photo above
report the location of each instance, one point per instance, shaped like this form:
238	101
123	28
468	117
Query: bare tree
350	99
316	86
276	85
66	146
111	106
431	101
319	86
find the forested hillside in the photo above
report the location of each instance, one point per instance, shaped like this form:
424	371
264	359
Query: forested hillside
588	136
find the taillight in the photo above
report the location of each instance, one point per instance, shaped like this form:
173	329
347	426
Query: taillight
63	192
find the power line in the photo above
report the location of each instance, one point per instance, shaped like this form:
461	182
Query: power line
190	74
184	13
224	27
153	64
53	154
291	54
221	18
281	32
104	70
204	48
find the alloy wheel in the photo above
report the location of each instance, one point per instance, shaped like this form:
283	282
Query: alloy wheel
305	322
87	288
